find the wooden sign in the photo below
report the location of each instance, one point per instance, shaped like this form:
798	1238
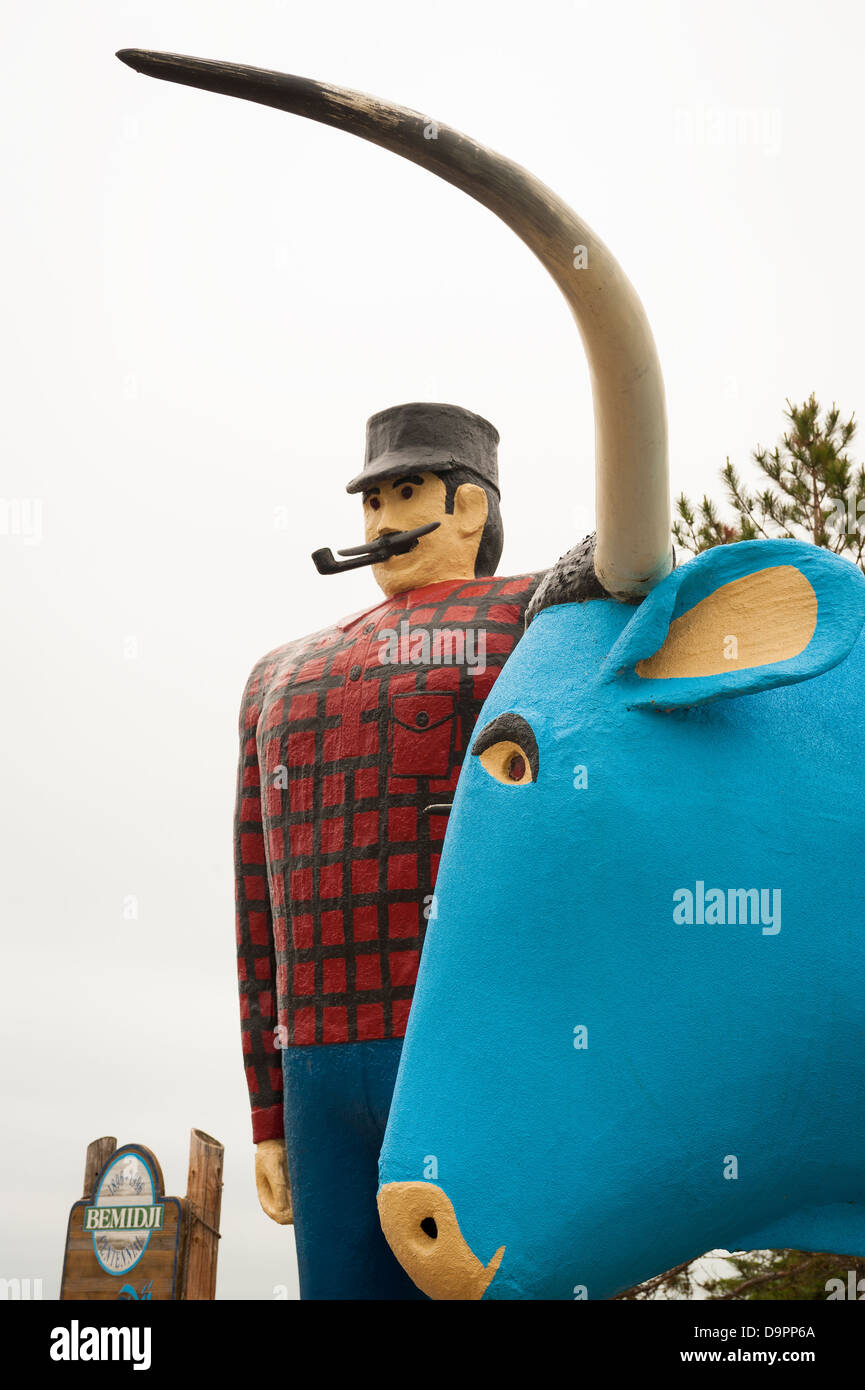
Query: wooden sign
127	1240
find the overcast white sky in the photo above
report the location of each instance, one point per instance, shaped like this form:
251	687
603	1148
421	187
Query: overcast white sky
203	300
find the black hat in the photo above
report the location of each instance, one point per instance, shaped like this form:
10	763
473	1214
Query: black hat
427	438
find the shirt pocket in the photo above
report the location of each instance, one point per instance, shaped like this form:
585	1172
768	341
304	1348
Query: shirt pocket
422	734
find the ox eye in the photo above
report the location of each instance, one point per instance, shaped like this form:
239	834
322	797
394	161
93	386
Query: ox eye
507	762
508	750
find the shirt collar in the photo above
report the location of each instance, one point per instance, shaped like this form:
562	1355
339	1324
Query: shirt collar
410	598
429	593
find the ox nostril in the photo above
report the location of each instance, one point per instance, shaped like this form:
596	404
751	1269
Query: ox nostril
421	1227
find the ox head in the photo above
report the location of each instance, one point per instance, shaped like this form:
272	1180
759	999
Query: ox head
645	951
646	948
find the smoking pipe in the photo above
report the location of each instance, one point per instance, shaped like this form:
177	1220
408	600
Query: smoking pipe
376	553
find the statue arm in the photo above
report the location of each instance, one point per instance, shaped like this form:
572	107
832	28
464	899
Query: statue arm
256	970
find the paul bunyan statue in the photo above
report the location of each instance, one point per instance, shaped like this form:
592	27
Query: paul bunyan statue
351	743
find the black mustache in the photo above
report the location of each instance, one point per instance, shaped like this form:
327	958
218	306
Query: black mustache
397	543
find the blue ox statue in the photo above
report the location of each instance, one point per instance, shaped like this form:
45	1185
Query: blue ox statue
637	1031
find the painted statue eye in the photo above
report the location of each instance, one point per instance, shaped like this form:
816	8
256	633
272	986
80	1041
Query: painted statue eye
374	503
507	762
406	492
508	750
516	768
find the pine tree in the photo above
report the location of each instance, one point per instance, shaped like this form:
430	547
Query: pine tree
815	491
761	1276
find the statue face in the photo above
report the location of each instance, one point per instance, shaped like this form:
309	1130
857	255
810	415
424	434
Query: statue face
401	504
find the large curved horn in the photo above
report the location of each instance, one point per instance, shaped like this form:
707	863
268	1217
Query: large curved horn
633	549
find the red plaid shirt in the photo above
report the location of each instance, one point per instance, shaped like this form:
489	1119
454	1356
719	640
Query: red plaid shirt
345	738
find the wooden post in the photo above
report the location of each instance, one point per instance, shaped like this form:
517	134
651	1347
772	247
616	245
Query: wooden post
98	1154
203	1204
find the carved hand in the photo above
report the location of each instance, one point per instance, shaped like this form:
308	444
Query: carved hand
271	1181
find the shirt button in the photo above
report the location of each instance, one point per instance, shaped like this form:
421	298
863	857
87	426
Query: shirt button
422	719
354	673
368	627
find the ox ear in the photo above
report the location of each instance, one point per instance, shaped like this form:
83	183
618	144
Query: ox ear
738	619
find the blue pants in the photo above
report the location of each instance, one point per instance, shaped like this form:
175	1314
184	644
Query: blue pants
337	1097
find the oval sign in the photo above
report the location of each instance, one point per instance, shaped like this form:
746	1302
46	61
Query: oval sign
125	1212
